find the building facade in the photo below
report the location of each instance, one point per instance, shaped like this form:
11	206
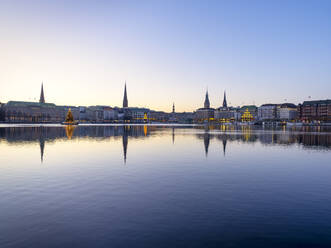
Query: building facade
267	112
287	111
319	110
206	113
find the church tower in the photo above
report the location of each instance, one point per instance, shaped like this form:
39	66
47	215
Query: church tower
207	103
125	98
42	97
173	108
225	104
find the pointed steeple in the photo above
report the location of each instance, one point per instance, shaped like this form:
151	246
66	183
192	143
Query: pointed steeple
173	108
42	97
207	103
225	104
125	98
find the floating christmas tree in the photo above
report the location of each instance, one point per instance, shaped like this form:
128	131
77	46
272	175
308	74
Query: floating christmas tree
69	117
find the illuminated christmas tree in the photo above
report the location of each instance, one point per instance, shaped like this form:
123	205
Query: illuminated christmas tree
247	116
69	117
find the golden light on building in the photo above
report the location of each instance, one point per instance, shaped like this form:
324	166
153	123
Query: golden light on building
247	116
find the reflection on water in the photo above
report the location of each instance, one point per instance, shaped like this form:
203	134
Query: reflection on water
181	186
316	138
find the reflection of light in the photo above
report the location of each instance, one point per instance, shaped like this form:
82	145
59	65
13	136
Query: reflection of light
70	131
145	130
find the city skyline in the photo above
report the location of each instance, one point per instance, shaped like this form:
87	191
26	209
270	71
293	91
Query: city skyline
166	52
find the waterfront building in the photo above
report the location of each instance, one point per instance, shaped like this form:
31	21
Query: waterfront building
287	111
109	114
160	116
135	114
206	113
267	112
2	112
319	110
225	113
183	117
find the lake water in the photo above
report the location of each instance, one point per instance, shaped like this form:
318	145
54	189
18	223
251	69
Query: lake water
164	186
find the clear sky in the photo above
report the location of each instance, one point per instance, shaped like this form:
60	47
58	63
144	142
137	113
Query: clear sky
167	51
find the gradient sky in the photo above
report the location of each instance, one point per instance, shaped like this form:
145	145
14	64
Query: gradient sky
167	51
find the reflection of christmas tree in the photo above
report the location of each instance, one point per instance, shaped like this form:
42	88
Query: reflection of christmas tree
69	131
69	117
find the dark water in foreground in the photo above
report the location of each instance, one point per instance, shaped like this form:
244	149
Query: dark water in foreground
152	186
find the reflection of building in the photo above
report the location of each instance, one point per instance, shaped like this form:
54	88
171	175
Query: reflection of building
206	113
308	137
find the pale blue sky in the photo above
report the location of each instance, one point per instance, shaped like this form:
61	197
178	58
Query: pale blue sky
167	51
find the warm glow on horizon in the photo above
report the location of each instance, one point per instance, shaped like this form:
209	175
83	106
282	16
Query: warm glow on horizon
166	52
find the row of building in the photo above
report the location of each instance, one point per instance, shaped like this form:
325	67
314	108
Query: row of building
23	112
308	111
36	112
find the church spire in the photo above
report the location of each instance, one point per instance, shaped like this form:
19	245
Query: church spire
207	103
173	108
225	104
42	97
125	98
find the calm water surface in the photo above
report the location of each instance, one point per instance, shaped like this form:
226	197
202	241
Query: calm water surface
157	186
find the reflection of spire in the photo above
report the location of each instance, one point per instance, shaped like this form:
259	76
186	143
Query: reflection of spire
173	135
206	139
42	147
224	146
42	97
125	143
